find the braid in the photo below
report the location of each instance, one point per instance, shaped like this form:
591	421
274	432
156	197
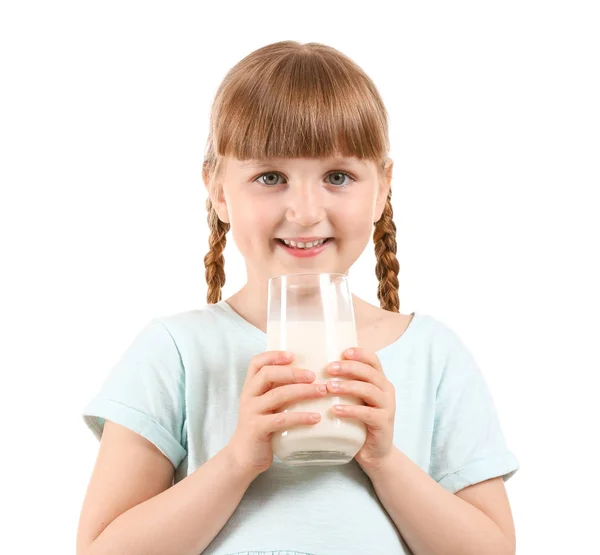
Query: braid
387	267
214	262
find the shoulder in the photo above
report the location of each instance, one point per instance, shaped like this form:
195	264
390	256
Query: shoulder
205	324
425	331
394	324
391	332
205	333
208	316
397	322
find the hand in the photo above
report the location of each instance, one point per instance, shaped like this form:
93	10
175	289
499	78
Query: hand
263	394
367	382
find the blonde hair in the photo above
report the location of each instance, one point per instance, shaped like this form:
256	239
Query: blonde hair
293	100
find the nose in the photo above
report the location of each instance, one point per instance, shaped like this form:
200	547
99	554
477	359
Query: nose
305	206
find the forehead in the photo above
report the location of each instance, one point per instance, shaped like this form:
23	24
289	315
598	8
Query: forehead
298	162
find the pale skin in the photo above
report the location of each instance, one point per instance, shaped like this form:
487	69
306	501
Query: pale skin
132	506
300	200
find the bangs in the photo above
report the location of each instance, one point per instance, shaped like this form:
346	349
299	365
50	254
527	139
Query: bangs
288	100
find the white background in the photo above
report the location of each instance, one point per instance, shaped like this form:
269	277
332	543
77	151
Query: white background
494	127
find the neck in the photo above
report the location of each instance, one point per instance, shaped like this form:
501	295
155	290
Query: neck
250	302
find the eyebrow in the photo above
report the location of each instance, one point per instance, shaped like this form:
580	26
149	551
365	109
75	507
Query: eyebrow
255	164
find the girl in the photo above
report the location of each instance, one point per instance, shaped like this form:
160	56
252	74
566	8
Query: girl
296	155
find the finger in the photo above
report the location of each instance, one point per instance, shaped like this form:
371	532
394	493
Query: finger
359	371
268	357
279	397
269	376
364	355
283	420
369	393
372	417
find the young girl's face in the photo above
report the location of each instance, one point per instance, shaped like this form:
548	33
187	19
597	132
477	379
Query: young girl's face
335	199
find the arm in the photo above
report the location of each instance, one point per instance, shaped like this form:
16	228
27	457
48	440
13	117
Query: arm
181	520
434	521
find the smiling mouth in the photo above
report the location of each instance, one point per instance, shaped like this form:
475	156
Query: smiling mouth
304	246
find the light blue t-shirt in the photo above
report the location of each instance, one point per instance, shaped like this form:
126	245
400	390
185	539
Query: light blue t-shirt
178	384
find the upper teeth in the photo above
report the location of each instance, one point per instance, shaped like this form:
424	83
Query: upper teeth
304	245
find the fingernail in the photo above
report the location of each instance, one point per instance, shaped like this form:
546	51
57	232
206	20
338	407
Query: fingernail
350	352
334	384
322	388
334	366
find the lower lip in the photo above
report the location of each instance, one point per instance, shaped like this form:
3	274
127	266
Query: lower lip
304	253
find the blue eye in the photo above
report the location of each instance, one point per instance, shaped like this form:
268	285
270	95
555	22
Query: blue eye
336	173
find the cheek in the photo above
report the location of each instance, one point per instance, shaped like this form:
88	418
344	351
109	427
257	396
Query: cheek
355	219
251	228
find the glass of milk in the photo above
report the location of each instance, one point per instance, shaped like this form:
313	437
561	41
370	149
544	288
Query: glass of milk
311	315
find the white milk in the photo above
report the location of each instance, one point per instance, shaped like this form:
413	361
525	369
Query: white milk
332	440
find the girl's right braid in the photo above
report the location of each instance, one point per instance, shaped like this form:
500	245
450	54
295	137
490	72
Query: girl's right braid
214	261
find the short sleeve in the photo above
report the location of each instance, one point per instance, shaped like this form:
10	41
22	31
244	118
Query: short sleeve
145	392
468	445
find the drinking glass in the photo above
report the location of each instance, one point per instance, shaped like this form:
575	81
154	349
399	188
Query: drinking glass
312	316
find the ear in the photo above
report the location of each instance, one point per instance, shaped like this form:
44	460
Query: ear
384	189
216	196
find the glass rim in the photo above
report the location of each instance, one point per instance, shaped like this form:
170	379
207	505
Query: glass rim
335	274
